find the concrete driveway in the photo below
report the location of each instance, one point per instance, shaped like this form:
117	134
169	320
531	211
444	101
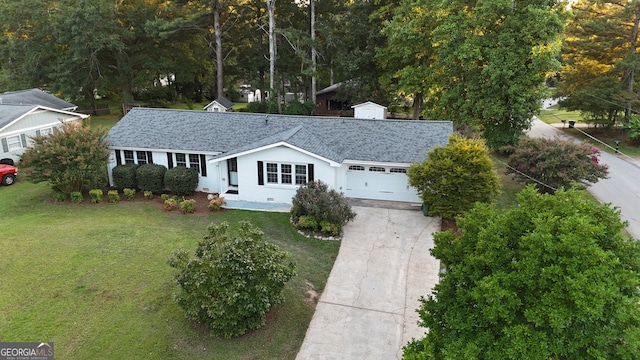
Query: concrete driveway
368	307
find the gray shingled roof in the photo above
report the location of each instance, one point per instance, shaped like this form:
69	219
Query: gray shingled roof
35	97
9	113
337	139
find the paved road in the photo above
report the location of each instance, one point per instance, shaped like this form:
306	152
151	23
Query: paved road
621	189
367	310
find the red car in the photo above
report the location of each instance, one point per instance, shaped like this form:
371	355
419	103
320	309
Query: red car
8	174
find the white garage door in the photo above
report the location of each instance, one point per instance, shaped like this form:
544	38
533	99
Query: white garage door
379	183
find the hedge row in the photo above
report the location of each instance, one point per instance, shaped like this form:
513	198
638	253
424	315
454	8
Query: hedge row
155	178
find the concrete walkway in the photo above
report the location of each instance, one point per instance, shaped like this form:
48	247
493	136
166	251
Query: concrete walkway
368	307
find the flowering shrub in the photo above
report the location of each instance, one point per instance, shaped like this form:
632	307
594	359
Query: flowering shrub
315	199
113	195
188	206
76	197
129	194
96	195
216	203
551	164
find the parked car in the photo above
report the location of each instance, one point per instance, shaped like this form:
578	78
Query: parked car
8	174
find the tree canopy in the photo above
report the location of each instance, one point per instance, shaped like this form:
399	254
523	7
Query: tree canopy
552	278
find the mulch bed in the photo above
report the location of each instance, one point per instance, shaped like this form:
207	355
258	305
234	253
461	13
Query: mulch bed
201	205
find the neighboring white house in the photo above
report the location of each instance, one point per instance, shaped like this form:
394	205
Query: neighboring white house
263	158
18	123
369	110
220	104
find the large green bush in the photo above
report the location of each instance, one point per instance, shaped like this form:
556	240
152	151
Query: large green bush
298	108
73	158
554	277
455	176
232	280
314	199
181	180
124	176
551	164
151	177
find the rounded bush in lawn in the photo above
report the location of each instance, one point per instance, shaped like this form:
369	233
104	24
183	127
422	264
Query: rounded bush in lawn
151	177
124	176
181	180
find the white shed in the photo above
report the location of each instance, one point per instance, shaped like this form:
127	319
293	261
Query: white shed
369	110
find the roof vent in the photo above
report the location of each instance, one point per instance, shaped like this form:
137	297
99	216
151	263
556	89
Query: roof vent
266	120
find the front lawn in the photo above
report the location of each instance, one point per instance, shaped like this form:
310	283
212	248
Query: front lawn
94	279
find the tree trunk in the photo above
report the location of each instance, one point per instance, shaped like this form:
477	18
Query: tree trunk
215	8
313	55
271	5
417	104
630	72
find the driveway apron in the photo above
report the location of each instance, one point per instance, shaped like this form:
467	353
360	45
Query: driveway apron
368	307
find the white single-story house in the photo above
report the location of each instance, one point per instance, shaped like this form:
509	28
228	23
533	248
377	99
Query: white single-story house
18	123
369	110
220	104
263	158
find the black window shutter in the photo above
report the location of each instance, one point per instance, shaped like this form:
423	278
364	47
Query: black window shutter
5	146
37	132
203	165
23	137
149	157
170	160
260	173
310	172
118	159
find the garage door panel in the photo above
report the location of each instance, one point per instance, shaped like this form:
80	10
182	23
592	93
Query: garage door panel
380	186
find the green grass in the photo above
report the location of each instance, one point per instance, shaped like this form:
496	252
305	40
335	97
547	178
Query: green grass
609	137
554	115
94	279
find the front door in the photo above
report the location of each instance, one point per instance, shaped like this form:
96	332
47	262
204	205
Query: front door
232	165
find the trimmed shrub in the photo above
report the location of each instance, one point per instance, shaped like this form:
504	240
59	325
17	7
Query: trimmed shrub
181	180
151	177
96	195
315	199
148	195
216	203
129	194
76	197
308	222
232	280
330	228
113	195
169	204
124	176
164	197
188	206
59	195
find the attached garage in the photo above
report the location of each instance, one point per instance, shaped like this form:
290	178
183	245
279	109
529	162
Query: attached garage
379	183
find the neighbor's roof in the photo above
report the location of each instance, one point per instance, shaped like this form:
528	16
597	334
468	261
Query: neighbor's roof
336	139
35	97
11	113
226	103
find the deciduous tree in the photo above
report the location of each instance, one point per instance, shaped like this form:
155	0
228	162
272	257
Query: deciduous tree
552	278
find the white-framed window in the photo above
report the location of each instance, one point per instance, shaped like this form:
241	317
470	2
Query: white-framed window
398	170
356	167
194	162
377	169
286	174
142	157
128	157
14	142
46	131
181	160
